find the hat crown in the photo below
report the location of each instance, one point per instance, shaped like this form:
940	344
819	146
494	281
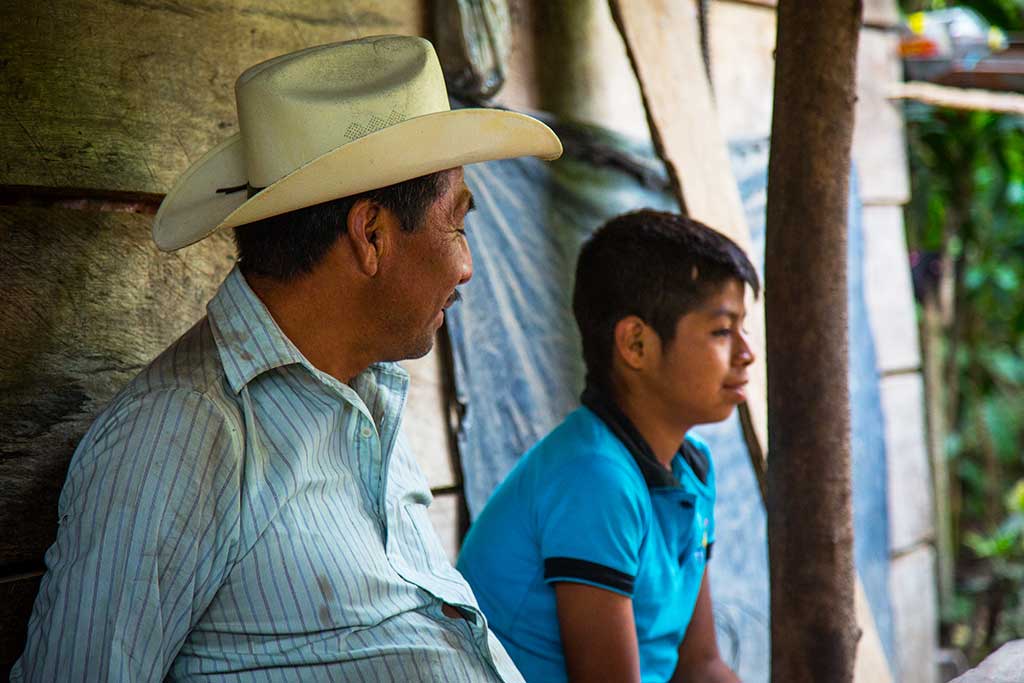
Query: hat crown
294	108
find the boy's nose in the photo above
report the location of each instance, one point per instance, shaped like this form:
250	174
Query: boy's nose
743	355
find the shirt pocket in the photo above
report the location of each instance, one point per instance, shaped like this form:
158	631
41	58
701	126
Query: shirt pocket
424	559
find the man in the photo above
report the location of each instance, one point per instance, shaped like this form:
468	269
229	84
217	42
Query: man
246	508
590	559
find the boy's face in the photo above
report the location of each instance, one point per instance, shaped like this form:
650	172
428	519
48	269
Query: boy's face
701	375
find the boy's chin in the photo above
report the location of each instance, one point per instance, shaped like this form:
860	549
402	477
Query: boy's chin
722	415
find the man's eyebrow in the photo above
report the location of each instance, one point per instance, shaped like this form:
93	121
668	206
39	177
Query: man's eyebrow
465	200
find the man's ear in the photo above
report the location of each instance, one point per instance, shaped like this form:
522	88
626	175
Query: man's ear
632	342
365	225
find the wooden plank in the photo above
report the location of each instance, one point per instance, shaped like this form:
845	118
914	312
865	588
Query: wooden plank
881	13
888	290
444	514
877	13
969	99
911	508
742	40
879	145
425	421
123	96
17	594
662	40
915	615
871	665
88	301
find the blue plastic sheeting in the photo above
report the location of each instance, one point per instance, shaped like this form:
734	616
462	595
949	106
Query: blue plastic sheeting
518	368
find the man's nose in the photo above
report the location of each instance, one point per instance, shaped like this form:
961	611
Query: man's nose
467	267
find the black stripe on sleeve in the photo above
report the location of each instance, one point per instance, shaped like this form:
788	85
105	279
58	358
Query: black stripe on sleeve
570	568
707	551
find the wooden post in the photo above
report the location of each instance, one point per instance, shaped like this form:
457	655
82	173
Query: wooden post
810	510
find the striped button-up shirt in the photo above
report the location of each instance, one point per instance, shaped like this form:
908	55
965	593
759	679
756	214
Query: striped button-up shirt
237	515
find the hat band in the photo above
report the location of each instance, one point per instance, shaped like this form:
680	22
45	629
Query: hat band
238	188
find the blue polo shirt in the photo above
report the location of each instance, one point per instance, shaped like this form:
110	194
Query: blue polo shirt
590	504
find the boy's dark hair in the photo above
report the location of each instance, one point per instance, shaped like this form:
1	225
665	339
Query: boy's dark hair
291	244
657	266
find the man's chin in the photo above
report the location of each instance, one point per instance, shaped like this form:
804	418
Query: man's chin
418	350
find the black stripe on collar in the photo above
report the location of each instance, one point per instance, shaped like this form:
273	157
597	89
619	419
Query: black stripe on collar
622	427
655	475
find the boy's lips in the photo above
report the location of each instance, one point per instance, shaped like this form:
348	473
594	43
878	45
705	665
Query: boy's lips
737	388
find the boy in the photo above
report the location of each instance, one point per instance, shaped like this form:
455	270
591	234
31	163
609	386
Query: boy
589	559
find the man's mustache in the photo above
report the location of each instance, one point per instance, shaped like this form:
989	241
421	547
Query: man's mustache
455	298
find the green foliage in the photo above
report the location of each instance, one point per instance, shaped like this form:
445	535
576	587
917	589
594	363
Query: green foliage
967	209
1003	552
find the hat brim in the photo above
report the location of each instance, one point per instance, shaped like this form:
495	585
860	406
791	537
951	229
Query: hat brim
193	209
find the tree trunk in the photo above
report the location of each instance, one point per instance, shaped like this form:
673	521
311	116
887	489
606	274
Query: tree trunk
810	514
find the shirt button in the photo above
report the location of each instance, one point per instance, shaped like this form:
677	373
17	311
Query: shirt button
366	432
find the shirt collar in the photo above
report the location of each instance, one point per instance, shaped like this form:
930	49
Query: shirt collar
623	428
248	339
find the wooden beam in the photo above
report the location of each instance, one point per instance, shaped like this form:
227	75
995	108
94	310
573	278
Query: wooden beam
878	14
968	99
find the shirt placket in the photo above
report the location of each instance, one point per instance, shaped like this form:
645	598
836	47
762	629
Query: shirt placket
473	626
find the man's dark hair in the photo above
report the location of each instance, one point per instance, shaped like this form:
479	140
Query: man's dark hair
291	244
657	266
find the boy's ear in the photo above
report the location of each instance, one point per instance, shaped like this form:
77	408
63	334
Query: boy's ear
632	342
368	232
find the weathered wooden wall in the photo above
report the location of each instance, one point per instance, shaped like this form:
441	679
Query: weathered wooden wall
104	105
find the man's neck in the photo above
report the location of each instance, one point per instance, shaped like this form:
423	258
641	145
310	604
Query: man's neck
662	435
324	325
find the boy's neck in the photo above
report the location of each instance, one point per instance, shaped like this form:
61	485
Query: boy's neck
662	435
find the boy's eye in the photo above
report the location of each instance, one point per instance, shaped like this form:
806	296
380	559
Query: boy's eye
722	332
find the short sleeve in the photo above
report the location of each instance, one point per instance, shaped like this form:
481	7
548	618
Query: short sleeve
592	522
148	519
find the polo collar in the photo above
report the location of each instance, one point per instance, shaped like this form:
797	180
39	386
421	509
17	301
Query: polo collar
622	427
655	475
248	338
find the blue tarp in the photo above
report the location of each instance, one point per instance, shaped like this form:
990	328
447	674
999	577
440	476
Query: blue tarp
518	369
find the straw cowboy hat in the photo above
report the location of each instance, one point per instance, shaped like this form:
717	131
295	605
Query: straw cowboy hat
333	121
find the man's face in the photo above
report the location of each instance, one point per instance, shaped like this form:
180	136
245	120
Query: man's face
427	266
701	375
